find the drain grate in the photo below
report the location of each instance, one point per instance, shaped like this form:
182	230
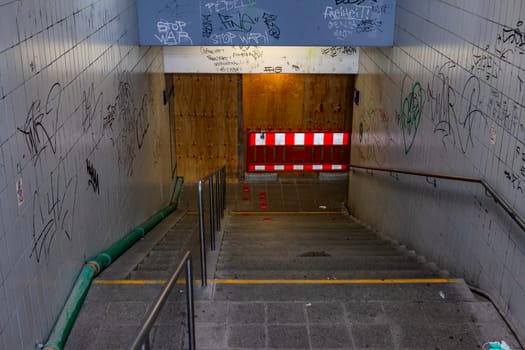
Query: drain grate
314	254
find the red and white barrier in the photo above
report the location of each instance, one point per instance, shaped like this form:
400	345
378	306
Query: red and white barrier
298	139
297	167
297	151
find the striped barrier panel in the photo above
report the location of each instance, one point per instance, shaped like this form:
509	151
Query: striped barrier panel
297	151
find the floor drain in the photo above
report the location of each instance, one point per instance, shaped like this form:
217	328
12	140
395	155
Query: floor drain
314	254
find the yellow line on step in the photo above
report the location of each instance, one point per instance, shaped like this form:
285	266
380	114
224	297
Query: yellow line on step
139	282
325	212
285	281
342	281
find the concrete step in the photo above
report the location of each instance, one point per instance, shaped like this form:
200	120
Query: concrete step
169	246
325	275
332	259
305	246
150	274
156	267
165	255
166	260
325	264
263	228
294	252
313	247
177	237
429	292
299	237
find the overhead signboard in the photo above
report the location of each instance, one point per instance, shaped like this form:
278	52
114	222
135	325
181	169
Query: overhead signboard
266	22
261	59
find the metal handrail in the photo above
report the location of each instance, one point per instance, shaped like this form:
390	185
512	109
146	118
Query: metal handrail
497	198
142	340
217	199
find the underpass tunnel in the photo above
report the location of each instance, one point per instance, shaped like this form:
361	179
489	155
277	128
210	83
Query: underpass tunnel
374	153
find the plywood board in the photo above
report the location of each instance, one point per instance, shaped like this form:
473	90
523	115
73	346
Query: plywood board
273	101
206	113
325	102
317	102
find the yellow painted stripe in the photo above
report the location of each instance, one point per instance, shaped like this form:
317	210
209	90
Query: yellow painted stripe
129	281
355	281
283	281
325	212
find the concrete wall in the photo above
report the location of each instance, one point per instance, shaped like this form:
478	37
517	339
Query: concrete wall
82	134
449	97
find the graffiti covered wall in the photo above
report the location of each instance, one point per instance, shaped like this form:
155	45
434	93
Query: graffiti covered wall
448	98
81	139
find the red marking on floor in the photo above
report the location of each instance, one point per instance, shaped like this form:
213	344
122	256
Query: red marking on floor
245	198
262	195
263	205
246	189
267	219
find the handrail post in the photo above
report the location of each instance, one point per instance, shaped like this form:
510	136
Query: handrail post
212	212
146	344
189	305
224	175
204	276
218	199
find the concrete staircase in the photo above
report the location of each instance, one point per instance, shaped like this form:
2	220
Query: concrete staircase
163	259
296	274
324	281
319	246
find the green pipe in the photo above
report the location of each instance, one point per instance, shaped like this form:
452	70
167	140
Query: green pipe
92	268
65	322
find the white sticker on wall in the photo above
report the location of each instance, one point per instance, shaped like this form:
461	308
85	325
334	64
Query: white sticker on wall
492	135
19	192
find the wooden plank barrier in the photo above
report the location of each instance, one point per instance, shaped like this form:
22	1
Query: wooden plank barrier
270	151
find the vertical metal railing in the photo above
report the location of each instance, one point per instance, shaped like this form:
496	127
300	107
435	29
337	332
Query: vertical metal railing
142	340
216	205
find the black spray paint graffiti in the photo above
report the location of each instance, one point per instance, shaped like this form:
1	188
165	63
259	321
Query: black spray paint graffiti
141	121
157	149
53	212
520	156
41	123
369	26
375	136
485	65
412	104
207	26
132	121
504	110
238	22
109	117
515	181
454	119
275	69
335	51
91	107
93	177
514	37
273	29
